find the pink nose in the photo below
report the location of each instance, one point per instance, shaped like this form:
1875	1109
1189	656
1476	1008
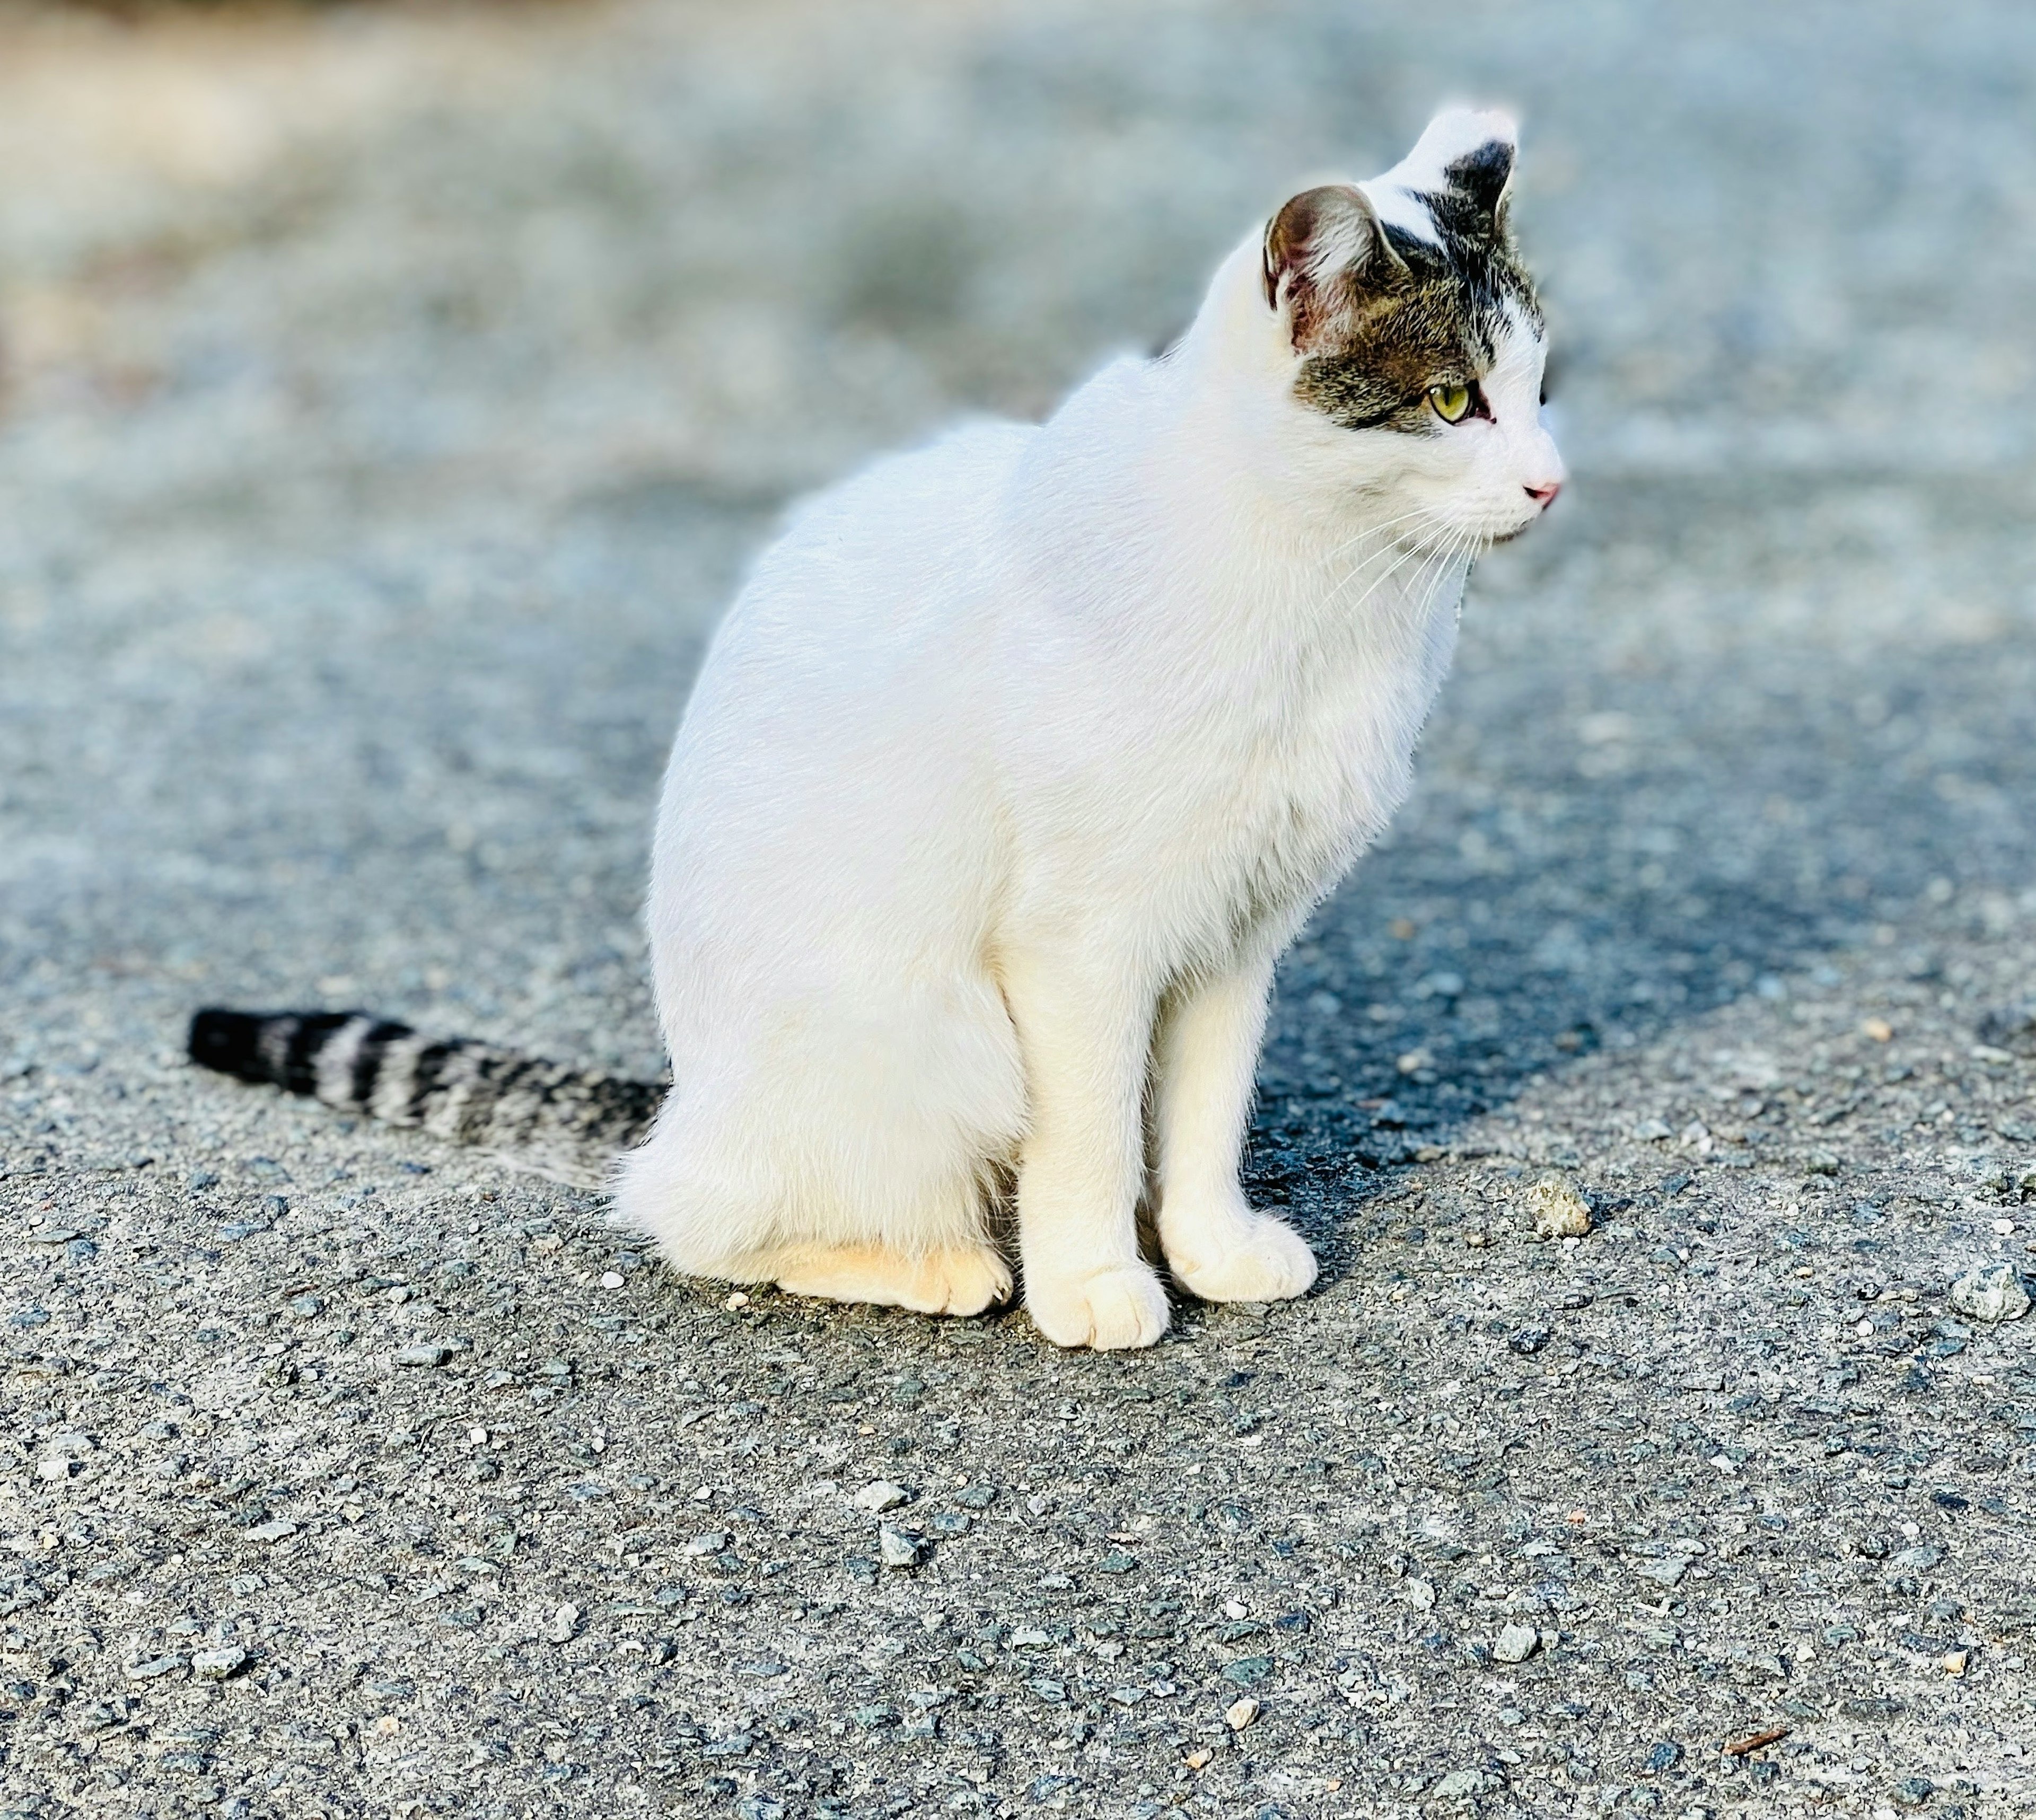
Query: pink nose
1544	495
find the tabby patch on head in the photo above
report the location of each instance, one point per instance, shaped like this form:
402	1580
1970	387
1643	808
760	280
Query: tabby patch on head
1399	294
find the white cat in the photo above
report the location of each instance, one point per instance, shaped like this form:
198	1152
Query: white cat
1021	757
1013	769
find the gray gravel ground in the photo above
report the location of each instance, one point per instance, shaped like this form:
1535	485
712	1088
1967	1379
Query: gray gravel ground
391	399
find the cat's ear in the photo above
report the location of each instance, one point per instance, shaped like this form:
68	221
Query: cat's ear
1324	250
1466	156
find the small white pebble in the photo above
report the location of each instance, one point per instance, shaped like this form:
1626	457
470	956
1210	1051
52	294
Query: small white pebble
738	1300
894	1548
1990	1293
703	1494
477	1438
220	1664
611	1279
2003	1228
1557	1210
1233	1609
880	1495
1242	1714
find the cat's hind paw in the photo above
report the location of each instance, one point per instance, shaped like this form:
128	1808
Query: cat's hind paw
1270	1262
1122	1305
960	1280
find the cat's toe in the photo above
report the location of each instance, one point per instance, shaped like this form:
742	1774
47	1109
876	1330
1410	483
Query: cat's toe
1122	1304
1271	1263
965	1283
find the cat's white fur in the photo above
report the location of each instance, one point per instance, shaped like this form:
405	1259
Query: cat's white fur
1016	764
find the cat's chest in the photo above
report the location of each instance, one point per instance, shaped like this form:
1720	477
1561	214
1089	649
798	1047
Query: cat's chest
1322	742
1219	785
1281	789
1294	790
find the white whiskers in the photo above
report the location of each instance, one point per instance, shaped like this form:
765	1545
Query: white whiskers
1445	545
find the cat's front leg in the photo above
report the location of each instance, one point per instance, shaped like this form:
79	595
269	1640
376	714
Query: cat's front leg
1206	1058
1083	1030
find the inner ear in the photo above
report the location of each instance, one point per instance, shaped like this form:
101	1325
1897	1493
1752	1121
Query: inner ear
1323	250
1482	176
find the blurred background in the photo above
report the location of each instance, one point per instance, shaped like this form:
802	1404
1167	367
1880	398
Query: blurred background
389	397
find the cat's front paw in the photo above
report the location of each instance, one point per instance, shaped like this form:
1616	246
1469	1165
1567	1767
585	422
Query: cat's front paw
1121	1304
1269	1262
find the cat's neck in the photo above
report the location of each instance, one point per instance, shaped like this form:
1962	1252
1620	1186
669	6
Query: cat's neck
1140	489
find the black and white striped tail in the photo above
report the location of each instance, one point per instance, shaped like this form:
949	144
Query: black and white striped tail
464	1091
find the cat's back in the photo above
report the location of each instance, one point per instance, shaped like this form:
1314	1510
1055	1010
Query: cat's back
859	631
893	539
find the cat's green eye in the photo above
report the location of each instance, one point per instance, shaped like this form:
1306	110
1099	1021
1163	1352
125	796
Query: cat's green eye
1452	403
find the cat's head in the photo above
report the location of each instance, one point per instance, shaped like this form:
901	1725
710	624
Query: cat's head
1404	341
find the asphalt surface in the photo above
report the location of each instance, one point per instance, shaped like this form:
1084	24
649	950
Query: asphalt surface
390	401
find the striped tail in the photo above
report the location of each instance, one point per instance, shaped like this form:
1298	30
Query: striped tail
558	1120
